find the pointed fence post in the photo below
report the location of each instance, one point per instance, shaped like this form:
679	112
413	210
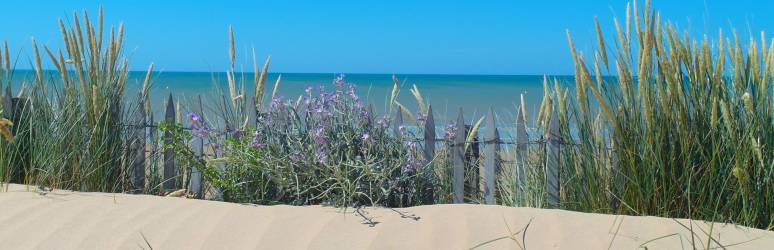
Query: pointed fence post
397	123
249	109
553	154
7	103
522	140
198	148
429	135
458	160
170	172
137	144
492	160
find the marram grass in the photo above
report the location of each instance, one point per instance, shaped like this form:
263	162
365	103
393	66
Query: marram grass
683	129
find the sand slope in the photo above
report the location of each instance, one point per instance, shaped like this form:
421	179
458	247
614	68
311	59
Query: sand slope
72	220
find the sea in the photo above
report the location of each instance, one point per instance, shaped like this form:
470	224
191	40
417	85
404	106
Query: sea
474	94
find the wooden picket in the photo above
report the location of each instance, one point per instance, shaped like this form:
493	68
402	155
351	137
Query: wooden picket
553	155
170	173
250	110
137	146
397	123
7	102
195	186
458	160
492	161
521	139
429	132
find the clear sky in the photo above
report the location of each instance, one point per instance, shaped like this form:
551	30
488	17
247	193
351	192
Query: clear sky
470	37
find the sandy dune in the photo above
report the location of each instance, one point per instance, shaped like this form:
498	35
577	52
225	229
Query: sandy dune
72	220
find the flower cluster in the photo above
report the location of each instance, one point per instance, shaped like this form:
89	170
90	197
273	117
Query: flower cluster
450	131
199	126
414	162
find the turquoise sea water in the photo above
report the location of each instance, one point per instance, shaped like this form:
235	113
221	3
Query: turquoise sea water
446	93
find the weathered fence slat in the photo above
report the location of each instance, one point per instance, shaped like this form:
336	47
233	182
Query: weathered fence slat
370	116
522	139
137	143
553	154
429	135
7	102
198	148
397	123
250	110
458	160
170	173
492	161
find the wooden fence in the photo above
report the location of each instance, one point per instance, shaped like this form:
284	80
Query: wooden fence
459	155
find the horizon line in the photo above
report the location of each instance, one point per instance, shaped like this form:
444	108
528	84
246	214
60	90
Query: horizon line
320	73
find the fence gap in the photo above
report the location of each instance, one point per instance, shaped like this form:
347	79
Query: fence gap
553	154
170	173
492	161
458	159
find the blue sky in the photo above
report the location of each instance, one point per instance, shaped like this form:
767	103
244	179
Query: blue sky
462	37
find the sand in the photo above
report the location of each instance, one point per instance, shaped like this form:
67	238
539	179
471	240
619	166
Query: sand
74	220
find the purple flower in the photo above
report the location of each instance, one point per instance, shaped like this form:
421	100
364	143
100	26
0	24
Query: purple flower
365	136
277	103
412	162
258	142
194	117
383	122
450	131
237	133
199	126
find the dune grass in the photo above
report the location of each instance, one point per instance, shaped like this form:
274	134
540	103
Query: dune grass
682	130
69	131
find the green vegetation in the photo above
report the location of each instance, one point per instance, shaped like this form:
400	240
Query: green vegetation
688	126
